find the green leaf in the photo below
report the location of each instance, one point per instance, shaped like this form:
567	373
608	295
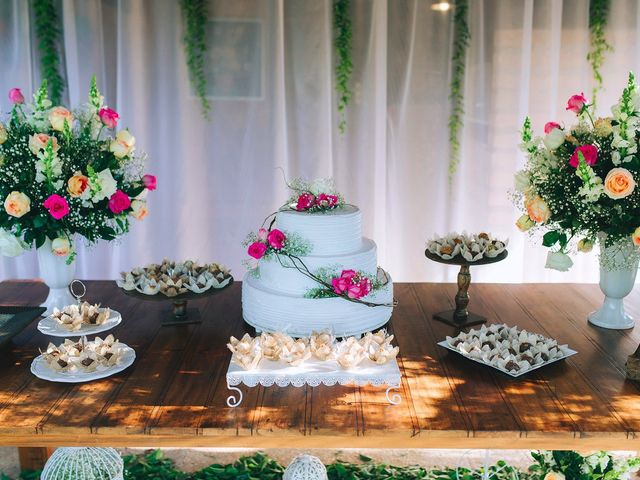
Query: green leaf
550	238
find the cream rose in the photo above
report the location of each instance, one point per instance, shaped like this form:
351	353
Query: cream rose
138	209
619	183
58	116
524	223
585	245
39	142
61	247
123	144
554	139
77	184
635	236
103	186
537	209
602	127
559	261
17	204
3	134
554	476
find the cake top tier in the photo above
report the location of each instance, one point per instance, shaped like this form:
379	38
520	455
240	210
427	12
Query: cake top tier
331	232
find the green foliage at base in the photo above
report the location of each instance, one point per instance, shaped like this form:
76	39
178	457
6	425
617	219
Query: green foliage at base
598	466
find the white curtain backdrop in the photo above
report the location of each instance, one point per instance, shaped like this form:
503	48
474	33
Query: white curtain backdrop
218	179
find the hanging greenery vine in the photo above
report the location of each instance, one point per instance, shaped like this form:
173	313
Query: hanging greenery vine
195	17
461	38
344	65
598	16
47	30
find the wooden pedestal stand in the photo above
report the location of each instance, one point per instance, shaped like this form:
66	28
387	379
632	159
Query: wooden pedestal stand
460	317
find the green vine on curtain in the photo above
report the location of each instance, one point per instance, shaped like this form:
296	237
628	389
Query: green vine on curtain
461	39
344	65
598	16
195	17
48	31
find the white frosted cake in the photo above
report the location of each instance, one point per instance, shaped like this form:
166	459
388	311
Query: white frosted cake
274	297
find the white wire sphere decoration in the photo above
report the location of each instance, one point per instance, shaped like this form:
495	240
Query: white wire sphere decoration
305	467
84	463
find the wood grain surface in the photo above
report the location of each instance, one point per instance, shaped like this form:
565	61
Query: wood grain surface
175	393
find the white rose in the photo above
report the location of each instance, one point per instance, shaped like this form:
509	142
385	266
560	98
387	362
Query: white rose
104	187
123	144
138	209
522	181
3	134
554	476
559	261
553	139
61	247
10	245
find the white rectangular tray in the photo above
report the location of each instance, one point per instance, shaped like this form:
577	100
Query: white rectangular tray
313	372
514	375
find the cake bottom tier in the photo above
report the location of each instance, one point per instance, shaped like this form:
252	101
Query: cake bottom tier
269	311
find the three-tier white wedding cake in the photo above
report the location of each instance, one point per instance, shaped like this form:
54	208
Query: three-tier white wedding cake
275	298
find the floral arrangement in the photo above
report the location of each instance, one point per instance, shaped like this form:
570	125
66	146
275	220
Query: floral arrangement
561	465
65	173
349	284
322	346
317	196
579	182
266	242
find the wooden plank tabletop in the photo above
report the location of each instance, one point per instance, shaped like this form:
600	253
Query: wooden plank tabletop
175	393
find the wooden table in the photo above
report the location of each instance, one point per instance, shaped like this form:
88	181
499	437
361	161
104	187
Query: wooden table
175	393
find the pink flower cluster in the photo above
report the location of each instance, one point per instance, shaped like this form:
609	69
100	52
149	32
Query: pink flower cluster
266	238
352	283
307	201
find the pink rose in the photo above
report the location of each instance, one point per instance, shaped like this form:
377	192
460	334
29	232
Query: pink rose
366	286
108	117
119	202
340	285
257	250
327	201
356	291
549	126
57	206
276	239
348	274
305	201
16	97
590	153
576	103
149	182
262	234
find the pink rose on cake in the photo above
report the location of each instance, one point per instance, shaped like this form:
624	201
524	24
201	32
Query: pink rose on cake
305	201
257	250
326	200
276	239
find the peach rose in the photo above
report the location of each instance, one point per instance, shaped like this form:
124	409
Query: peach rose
39	142
77	184
635	236
61	247
123	144
17	204
538	209
138	209
3	134
619	183
58	116
524	223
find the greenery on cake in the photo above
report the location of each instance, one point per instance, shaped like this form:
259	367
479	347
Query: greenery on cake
316	196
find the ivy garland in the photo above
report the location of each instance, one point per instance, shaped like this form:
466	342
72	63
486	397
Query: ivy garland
195	17
598	16
344	66
461	38
47	29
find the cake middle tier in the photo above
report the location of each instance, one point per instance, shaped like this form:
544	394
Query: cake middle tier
332	232
281	275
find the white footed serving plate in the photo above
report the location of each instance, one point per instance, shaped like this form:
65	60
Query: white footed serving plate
49	326
41	369
567	353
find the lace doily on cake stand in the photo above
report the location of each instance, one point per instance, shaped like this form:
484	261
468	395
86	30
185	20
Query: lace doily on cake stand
313	373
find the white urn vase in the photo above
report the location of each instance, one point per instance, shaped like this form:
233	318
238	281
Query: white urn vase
618	269
58	275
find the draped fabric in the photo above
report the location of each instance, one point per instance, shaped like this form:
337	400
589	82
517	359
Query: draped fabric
273	116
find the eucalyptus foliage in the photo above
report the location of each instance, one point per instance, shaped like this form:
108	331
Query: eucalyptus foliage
344	63
195	17
461	39
47	29
598	16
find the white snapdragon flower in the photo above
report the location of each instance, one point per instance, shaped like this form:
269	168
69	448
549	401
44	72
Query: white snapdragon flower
103	186
554	139
522	181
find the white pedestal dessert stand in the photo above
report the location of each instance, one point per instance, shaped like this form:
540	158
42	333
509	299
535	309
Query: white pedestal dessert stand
313	373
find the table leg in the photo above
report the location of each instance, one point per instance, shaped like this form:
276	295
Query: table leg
33	458
460	317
